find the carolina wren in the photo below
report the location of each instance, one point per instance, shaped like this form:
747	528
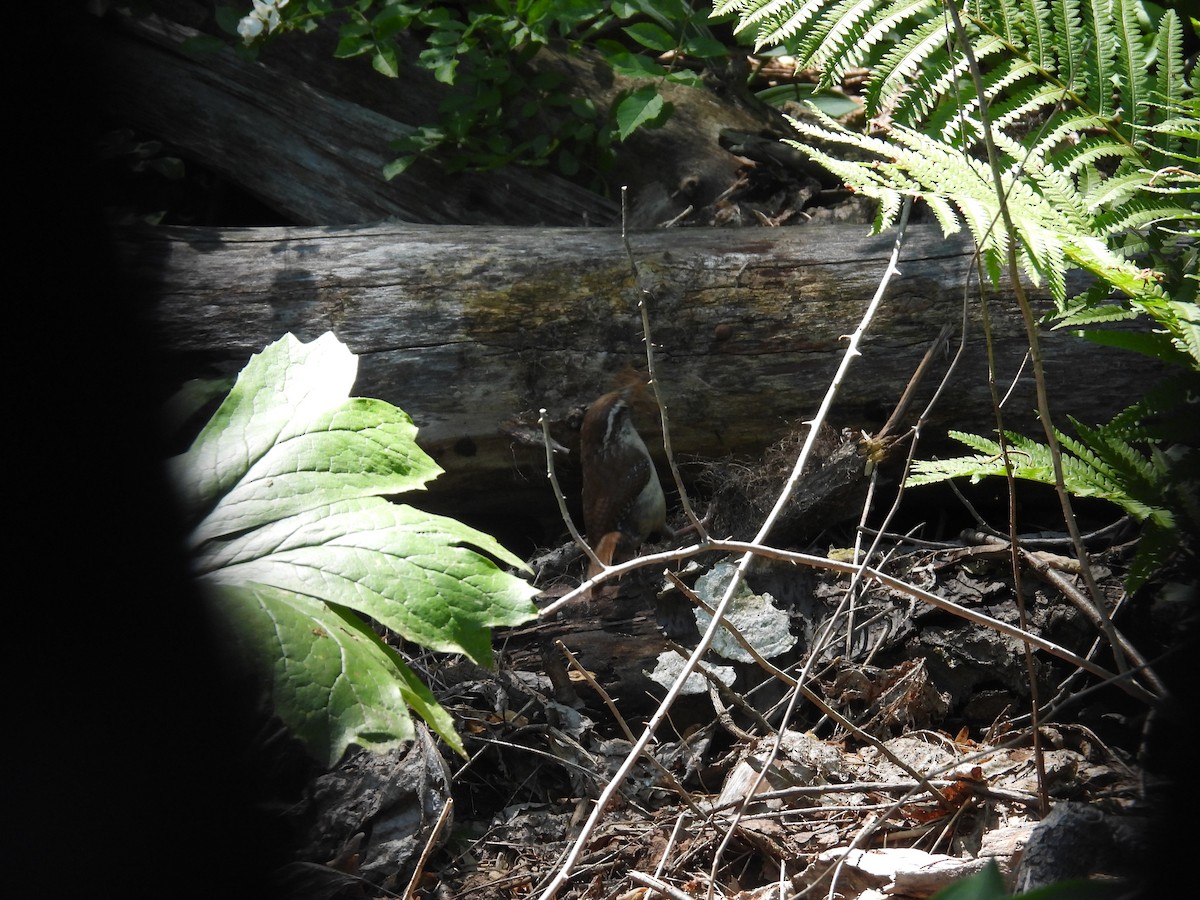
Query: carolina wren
623	502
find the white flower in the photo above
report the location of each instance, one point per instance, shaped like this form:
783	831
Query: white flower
264	15
249	28
266	10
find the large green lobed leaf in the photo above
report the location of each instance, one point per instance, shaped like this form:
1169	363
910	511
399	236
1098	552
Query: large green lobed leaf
406	569
286	487
288	438
334	681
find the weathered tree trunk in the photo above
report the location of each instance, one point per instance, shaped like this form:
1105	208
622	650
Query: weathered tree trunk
473	330
309	134
313	156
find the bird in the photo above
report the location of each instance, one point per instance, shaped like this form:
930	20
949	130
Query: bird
623	501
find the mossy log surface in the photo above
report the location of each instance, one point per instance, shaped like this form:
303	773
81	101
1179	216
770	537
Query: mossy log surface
473	330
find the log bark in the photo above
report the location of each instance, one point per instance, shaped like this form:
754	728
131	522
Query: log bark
473	330
314	156
309	134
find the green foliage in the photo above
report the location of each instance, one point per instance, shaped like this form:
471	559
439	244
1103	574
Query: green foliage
285	487
1145	462
1096	136
505	109
988	884
1090	112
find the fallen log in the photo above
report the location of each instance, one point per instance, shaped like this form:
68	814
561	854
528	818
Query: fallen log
309	154
310	135
473	330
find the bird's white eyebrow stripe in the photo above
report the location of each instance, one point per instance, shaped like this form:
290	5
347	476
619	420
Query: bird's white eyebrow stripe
612	421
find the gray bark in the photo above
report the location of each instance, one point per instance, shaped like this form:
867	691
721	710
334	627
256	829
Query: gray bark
309	134
473	330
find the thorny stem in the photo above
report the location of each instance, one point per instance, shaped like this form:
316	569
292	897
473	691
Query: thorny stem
781	502
1035	353
618	778
558	494
873	574
662	406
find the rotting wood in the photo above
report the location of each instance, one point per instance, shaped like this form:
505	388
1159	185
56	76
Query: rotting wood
312	155
473	330
310	135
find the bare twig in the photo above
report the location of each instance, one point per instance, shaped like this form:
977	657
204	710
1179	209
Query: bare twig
662	406
888	581
438	826
670	779
914	382
660	886
893	421
562	500
680	820
1031	332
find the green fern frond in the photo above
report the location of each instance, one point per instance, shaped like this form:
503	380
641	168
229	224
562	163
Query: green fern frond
1176	139
1065	130
728	7
1121	473
1087	313
844	25
1071	69
1008	21
1039	35
1168	63
902	65
944	212
1187	335
1056	224
1143	461
779	26
1097	60
1098	137
1110	193
1094	255
1141	213
1060	205
1169	413
1104	467
1090	151
986	446
931	471
945	74
892	18
1002	82
777	21
1135	78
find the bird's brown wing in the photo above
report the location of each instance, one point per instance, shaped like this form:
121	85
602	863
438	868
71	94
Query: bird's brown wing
610	502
